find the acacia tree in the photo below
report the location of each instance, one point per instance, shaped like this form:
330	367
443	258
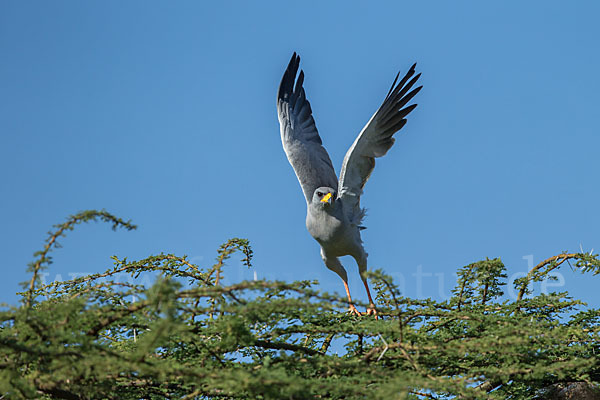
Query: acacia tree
188	336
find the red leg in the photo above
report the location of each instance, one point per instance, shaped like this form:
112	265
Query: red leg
371	310
353	309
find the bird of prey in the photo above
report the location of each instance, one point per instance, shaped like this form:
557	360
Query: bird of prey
334	214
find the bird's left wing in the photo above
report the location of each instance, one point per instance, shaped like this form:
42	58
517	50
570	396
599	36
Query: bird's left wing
299	135
374	141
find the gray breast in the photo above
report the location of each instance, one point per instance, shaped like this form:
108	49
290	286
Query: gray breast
327	225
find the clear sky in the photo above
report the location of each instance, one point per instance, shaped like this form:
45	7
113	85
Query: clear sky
164	113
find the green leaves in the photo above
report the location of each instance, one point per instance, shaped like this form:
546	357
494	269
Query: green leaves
43	259
189	336
479	282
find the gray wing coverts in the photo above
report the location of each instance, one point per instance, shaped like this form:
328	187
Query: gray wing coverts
299	135
374	141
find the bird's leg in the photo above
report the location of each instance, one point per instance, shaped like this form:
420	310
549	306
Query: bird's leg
371	310
353	309
361	260
333	263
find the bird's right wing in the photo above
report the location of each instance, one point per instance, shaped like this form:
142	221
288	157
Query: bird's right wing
374	141
299	135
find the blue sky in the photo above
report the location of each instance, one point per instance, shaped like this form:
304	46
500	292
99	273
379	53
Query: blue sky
164	113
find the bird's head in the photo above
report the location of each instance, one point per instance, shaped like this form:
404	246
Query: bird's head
324	196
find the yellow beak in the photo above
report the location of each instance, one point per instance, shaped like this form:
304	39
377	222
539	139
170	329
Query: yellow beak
326	198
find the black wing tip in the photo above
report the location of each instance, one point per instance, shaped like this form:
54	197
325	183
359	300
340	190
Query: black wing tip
393	85
293	65
299	82
295	59
396	88
411	72
410	108
414	91
286	86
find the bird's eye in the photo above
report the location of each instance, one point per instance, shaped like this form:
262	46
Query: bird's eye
319	194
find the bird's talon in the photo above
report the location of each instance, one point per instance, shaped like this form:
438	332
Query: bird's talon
372	311
353	310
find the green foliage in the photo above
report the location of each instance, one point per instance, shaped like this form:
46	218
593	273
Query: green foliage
188	336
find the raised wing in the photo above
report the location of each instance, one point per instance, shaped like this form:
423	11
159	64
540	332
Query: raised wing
374	141
299	135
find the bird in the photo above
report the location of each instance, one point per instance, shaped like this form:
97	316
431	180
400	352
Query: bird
334	215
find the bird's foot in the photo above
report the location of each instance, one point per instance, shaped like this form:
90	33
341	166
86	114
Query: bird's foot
371	310
353	310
